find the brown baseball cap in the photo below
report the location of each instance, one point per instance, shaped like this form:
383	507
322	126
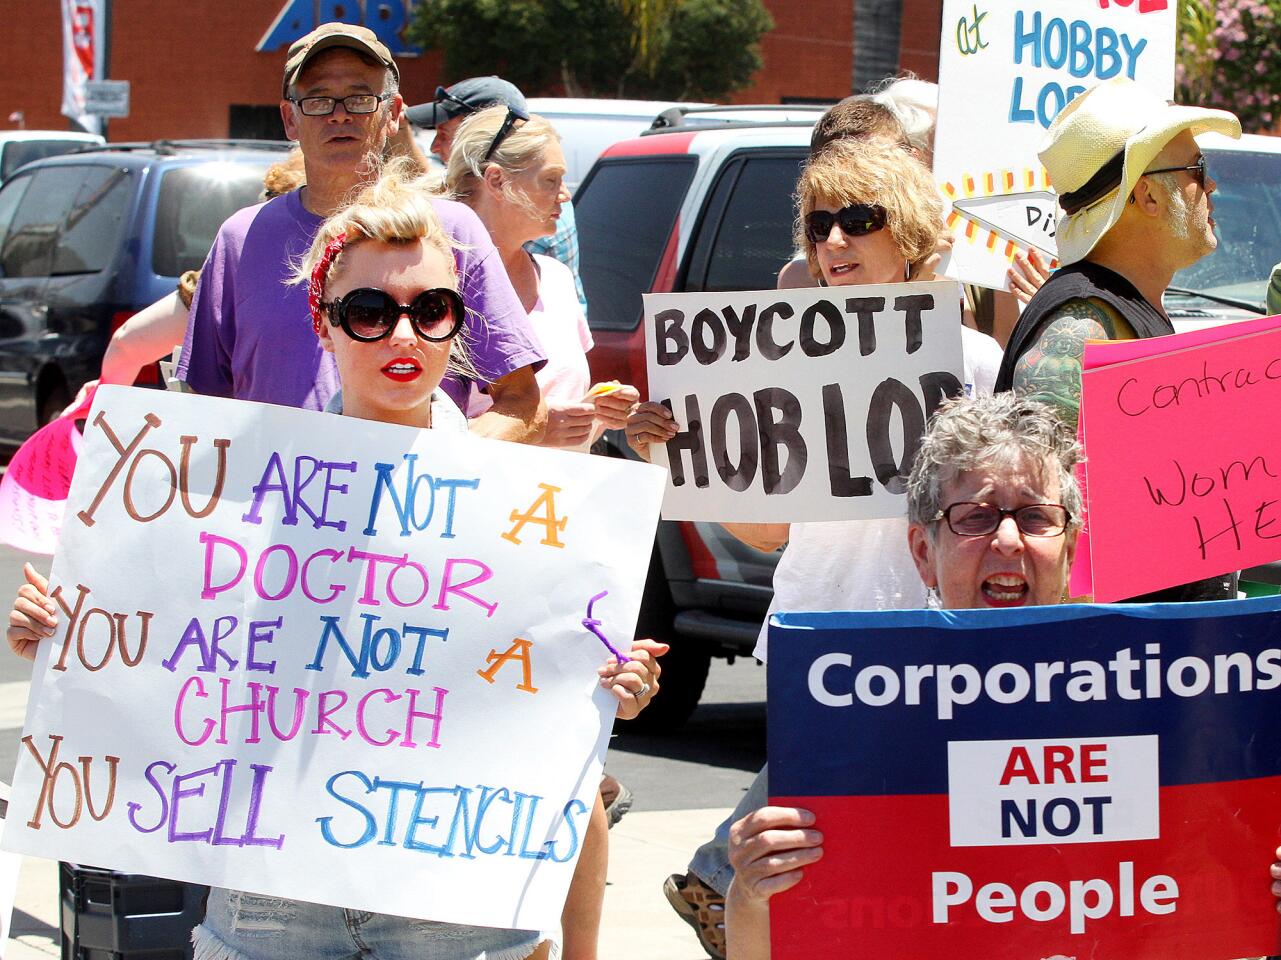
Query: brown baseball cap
330	35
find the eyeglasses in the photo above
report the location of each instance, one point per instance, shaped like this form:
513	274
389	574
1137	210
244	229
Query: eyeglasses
356	103
1198	168
368	314
444	95
969	519
509	121
856	220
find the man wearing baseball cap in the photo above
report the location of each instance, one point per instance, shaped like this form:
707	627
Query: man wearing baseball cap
456	103
446	114
1136	199
249	334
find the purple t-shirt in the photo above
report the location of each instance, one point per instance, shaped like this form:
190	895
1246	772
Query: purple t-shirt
250	336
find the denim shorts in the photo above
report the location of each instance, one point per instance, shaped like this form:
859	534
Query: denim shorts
245	926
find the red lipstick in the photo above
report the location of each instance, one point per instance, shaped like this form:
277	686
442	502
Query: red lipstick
402	370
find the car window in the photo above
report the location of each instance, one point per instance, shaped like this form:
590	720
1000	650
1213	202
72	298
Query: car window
1247	216
93	226
753	238
626	211
18	152
10	196
33	232
193	203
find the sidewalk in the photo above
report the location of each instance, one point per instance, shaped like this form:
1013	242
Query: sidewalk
639	924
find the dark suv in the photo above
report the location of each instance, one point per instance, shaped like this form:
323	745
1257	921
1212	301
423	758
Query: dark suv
87	240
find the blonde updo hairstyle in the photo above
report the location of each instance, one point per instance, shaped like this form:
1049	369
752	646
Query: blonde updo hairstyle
394	209
853	171
518	152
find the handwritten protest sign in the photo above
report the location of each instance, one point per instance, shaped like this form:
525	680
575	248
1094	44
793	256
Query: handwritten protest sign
1005	71
799	404
1178	440
1072	780
329	659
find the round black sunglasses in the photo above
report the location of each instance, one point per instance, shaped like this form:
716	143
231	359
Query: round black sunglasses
368	314
855	220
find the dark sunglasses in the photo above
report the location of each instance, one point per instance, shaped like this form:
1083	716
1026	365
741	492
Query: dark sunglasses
856	220
368	314
1198	170
443	95
509	122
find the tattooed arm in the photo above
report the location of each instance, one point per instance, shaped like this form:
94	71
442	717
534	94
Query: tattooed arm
1050	370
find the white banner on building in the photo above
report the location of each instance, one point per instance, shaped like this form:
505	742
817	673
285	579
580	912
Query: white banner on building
317	657
84	52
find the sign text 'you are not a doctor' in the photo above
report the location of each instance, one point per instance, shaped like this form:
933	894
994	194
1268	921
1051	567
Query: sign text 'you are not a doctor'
295	649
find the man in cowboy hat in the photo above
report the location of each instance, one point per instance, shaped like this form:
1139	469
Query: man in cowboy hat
1135	194
1136	206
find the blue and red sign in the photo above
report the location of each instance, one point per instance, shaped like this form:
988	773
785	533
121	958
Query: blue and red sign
1064	781
297	18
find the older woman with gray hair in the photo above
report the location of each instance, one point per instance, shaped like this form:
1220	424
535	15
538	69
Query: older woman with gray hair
993	515
983	463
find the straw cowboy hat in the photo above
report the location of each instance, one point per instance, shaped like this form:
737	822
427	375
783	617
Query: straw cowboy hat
1101	143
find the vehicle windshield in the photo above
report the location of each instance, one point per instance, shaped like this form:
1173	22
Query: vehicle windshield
18	152
1247	215
194	201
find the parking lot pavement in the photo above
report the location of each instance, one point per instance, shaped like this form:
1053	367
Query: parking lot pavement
644	848
34	933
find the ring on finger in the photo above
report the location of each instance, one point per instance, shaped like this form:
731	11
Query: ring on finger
645	688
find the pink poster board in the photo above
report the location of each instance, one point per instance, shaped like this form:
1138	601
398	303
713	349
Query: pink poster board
33	491
1184	454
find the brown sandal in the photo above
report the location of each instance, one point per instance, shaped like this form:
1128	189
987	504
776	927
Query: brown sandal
701	907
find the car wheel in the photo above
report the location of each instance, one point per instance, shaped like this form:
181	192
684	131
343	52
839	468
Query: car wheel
684	666
52	404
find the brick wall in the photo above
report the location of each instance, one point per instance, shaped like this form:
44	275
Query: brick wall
187	70
809	53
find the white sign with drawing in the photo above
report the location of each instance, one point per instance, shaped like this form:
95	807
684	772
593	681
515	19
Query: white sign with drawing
1005	71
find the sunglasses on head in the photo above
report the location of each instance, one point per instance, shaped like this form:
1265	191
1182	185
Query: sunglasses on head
444	96
856	220
368	314
509	121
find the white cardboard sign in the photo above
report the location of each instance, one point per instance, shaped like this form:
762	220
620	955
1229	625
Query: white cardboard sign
799	404
317	657
1005	71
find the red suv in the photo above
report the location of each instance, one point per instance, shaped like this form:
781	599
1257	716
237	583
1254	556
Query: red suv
701	202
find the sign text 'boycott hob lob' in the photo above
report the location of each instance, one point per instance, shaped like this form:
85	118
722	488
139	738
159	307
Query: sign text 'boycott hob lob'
799	404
